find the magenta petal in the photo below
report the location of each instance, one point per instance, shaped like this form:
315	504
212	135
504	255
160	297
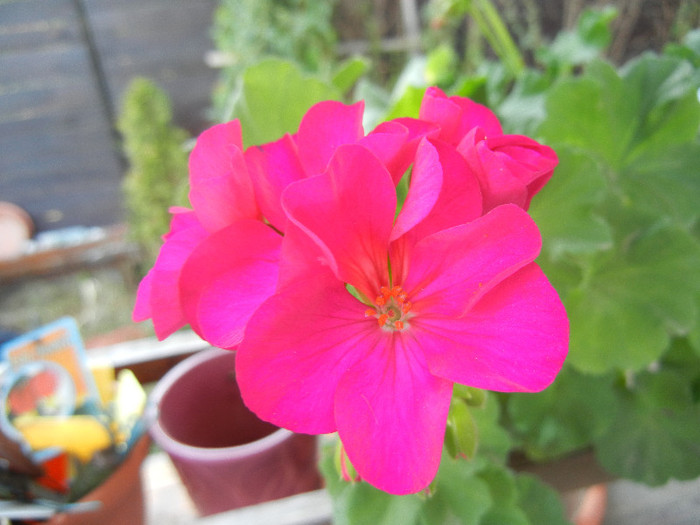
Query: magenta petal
296	348
529	161
326	126
456	116
476	115
451	269
514	339
391	414
460	199
349	213
406	132
158	296
437	108
142	306
426	183
220	188
272	168
227	277
389	147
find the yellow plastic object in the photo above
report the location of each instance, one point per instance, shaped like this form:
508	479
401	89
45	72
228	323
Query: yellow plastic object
104	379
80	435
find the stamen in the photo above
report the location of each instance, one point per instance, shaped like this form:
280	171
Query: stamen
392	309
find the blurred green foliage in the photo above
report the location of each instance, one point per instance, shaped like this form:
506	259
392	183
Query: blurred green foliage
157	177
248	31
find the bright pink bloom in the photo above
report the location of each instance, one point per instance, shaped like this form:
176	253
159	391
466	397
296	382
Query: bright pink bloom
510	168
199	267
221	262
441	300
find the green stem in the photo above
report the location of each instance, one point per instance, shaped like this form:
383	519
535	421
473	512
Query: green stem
495	31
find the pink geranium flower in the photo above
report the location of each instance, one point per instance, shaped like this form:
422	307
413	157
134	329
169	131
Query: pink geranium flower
510	168
219	261
377	315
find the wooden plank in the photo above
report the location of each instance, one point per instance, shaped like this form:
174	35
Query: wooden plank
22	28
164	40
58	154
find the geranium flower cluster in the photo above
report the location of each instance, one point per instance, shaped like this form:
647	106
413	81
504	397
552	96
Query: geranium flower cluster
353	310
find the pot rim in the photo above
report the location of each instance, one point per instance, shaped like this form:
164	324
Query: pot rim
192	452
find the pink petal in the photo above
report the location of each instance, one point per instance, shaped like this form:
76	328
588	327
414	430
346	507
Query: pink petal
510	168
529	161
423	193
158	296
410	132
456	116
514	339
391	414
227	277
220	189
476	115
460	199
451	269
272	168
296	348
439	109
348	211
142	306
326	126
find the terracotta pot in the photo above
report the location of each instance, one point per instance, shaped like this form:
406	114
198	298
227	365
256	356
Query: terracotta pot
225	456
121	495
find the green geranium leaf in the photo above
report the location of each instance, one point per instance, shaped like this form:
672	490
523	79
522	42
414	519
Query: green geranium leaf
494	441
408	104
565	208
508	514
594	113
656	435
565	417
274	96
665	182
459	497
667	103
623	314
359	503
349	72
540	502
591	37
523	109
618	118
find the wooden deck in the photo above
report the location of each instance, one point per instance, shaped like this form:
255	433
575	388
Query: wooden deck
64	66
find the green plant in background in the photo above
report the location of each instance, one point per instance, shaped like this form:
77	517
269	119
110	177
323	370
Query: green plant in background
619	219
157	175
248	31
620	224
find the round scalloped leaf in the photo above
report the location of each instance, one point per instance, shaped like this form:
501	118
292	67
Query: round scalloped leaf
565	417
540	502
274	97
656	434
564	209
624	313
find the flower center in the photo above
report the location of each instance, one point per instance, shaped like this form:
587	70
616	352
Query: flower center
392	310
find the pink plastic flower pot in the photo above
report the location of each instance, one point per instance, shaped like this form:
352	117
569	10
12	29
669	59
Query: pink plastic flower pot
225	456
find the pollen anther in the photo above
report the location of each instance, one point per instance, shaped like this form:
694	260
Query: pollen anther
392	309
